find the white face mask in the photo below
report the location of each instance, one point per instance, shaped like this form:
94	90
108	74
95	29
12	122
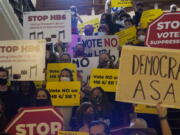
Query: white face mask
142	38
120	22
65	79
101	33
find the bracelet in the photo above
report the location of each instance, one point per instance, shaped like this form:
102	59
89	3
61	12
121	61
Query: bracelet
163	118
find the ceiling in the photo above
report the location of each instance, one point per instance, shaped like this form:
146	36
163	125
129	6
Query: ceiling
85	6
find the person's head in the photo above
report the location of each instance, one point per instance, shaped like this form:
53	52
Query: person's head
42	98
173	8
128	23
103	30
3	76
66	75
86	113
88	30
139	7
73	10
105	61
141	35
79	50
98	128
65	58
27	88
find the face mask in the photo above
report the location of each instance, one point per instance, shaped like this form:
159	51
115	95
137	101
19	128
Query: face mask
104	64
141	38
65	79
73	13
3	81
41	102
120	22
89	117
101	33
97	100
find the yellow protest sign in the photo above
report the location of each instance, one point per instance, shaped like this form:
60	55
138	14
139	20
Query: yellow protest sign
121	3
72	133
149	75
148	16
104	78
94	22
64	93
145	109
54	70
127	35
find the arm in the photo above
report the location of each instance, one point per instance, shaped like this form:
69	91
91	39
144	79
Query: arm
162	112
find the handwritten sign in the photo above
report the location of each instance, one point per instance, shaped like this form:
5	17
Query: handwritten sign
121	3
150	75
104	78
64	93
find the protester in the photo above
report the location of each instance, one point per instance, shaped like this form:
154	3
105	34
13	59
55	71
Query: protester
105	61
79	51
66	75
138	12
88	30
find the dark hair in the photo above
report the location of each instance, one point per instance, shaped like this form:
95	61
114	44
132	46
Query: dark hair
2	69
98	123
32	87
69	71
47	93
67	54
110	58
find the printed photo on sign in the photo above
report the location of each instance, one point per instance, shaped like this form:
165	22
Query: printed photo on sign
150	75
49	25
24	59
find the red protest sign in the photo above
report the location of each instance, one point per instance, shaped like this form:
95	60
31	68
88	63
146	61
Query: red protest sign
36	121
164	32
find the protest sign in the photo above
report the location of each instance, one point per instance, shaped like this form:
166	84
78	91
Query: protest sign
54	70
96	45
145	109
24	59
148	16
94	22
72	133
150	75
121	3
36	121
85	65
164	32
104	78
64	93
127	35
49	25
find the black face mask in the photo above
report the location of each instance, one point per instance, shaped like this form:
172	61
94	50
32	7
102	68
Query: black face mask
42	102
3	81
103	64
89	117
97	100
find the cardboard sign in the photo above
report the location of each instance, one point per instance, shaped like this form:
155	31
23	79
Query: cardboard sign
104	78
94	22
127	35
145	109
54	70
96	45
49	25
150	75
24	59
72	133
164	32
85	65
121	3
36	121
148	16
64	93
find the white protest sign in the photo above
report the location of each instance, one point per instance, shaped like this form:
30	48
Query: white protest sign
96	45
24	59
85	65
49	25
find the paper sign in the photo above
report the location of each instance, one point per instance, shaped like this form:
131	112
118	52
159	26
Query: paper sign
64	93
104	78
85	65
96	45
49	25
127	35
94	22
149	75
145	109
121	3
54	70
72	133
148	16
24	59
